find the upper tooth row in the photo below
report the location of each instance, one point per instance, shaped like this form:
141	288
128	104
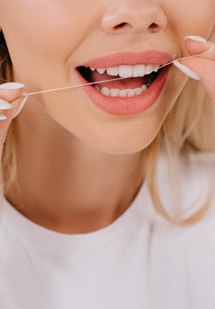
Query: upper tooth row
138	70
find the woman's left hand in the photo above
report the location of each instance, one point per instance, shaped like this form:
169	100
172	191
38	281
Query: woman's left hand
201	67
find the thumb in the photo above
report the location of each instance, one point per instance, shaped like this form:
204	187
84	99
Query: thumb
201	67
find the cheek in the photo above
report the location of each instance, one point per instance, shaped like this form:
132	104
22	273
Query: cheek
184	19
47	33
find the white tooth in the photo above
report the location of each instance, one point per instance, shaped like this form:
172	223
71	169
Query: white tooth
105	91
97	87
156	67
125	71
123	93
114	92
139	70
101	71
113	71
149	68
131	92
143	88
138	91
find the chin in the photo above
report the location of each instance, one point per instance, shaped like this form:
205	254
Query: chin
122	147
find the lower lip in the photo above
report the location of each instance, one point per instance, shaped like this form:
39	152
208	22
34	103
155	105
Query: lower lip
127	105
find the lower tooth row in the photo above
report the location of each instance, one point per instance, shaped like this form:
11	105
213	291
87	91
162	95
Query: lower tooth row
123	92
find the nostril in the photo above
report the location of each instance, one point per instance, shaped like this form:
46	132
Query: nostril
153	27
124	25
121	25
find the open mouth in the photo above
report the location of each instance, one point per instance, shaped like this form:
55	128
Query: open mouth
124	89
136	79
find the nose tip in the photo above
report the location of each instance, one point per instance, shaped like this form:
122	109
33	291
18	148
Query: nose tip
134	17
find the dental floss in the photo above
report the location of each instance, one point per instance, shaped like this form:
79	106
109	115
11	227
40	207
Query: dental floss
102	81
75	86
93	83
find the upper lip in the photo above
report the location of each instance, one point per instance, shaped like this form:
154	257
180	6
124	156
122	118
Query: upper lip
129	58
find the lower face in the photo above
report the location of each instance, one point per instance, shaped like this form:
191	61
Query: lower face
50	50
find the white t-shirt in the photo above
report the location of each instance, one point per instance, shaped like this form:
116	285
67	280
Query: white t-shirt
140	261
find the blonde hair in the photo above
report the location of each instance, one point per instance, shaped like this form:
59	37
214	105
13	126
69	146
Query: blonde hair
186	126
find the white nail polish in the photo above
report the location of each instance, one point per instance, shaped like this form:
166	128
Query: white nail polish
196	38
2	117
5	105
187	71
12	86
21	106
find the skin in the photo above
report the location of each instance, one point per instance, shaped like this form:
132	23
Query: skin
67	146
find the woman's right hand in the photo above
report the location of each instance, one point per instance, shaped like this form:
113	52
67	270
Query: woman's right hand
11	103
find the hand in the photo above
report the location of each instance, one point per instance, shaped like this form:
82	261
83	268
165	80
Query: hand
201	67
11	103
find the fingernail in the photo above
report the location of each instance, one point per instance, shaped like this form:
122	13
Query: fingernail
21	106
195	38
12	86
187	71
3	117
5	105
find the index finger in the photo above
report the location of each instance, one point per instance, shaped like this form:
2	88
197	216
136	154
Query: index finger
11	91
201	49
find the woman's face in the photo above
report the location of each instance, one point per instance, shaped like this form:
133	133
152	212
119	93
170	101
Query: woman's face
48	39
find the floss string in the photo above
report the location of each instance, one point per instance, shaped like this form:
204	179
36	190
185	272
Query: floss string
108	80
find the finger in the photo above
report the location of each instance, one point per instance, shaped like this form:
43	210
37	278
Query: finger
200	67
199	46
203	68
11	91
11	99
14	109
8	111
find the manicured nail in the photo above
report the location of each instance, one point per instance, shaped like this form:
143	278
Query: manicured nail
3	117
12	86
195	38
21	106
5	105
187	71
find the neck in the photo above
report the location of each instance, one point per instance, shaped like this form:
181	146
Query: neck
64	184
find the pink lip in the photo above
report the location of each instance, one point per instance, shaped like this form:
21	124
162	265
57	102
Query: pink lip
132	58
127	105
